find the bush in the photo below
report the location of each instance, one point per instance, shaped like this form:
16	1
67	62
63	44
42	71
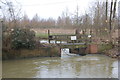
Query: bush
23	38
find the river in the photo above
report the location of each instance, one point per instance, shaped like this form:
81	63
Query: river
89	66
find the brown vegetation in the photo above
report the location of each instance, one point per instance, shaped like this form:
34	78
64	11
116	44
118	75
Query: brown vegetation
47	51
55	31
114	53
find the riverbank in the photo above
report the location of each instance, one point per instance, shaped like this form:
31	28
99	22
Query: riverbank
109	50
43	50
113	53
52	50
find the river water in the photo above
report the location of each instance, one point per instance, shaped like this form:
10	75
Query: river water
89	66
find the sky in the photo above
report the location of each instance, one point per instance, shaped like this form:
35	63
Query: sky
52	8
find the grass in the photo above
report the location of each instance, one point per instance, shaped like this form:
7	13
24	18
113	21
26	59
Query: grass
45	35
104	47
41	35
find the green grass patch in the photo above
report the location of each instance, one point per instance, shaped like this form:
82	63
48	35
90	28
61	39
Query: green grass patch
104	47
41	35
45	35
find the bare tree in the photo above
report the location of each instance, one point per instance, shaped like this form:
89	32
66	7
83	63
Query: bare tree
25	21
64	20
10	12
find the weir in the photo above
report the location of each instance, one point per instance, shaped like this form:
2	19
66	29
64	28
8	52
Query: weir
80	44
76	43
65	52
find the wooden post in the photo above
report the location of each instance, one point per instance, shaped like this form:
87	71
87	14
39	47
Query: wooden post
91	36
55	39
77	33
67	39
48	36
60	42
83	32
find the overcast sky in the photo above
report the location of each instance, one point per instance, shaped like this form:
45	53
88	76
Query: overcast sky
52	8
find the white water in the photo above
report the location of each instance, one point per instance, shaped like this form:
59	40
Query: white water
52	41
65	53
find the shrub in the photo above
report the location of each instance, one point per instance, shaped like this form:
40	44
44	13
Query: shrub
23	38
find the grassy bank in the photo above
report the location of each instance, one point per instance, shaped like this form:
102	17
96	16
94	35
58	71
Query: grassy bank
109	50
47	51
104	47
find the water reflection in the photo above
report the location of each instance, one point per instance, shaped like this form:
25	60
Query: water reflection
90	66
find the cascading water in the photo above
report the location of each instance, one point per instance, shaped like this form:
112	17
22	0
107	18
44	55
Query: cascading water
65	53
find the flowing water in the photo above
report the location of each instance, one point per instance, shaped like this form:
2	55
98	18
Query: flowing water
89	66
52	41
